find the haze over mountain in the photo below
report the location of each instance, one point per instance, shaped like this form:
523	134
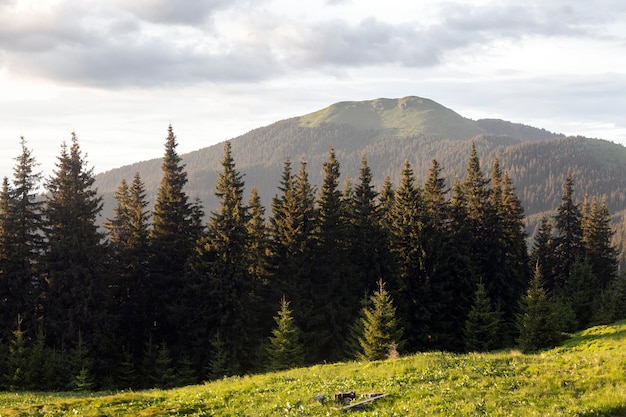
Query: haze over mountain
390	131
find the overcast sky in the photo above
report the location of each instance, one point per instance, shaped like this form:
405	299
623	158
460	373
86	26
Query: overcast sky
118	72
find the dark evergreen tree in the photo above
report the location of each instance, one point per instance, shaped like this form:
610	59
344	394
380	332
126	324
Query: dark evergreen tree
510	277
568	241
258	242
476	194
385	203
285	350
483	323
80	365
485	231
129	248
127	376
411	289
17	360
185	372
334	306
175	229
20	244
445	282
537	321
40	365
542	254
291	239
369	242
292	224
163	374
7	236
77	297
581	292
381	337
597	237
220	274
258	260
460	254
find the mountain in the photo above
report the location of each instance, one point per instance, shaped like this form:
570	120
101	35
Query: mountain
390	131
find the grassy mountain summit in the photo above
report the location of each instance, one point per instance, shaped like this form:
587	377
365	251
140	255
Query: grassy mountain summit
408	116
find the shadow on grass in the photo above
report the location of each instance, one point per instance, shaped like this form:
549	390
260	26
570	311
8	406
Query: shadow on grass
619	411
618	334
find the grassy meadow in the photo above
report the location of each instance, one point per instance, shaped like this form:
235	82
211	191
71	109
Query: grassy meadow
585	376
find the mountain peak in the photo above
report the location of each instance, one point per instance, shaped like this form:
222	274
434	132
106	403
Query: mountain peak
399	117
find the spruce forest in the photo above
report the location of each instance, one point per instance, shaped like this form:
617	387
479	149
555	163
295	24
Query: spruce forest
174	295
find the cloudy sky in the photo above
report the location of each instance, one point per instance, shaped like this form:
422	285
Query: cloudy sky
118	72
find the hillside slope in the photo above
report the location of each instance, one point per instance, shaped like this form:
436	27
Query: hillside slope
583	377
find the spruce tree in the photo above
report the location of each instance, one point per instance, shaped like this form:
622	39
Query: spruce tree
537	321
20	244
568	241
128	241
8	308
77	296
597	238
385	203
483	323
411	289
509	283
285	350
17	360
258	261
334	306
220	273
463	269
581	292
174	232
291	228
542	253
382	335
369	241
445	282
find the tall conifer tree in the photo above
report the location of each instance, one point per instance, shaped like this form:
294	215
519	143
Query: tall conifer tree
513	263
334	307
175	229
446	281
542	253
77	296
128	239
597	238
568	241
220	270
20	231
412	288
369	242
291	240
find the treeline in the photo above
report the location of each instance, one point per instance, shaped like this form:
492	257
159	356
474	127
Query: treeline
163	299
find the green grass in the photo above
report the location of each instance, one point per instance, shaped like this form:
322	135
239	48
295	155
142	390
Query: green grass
396	117
586	376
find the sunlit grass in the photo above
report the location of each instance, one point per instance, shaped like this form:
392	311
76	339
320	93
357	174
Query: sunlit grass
586	376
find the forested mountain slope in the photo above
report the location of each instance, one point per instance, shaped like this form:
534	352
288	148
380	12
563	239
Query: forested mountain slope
390	131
